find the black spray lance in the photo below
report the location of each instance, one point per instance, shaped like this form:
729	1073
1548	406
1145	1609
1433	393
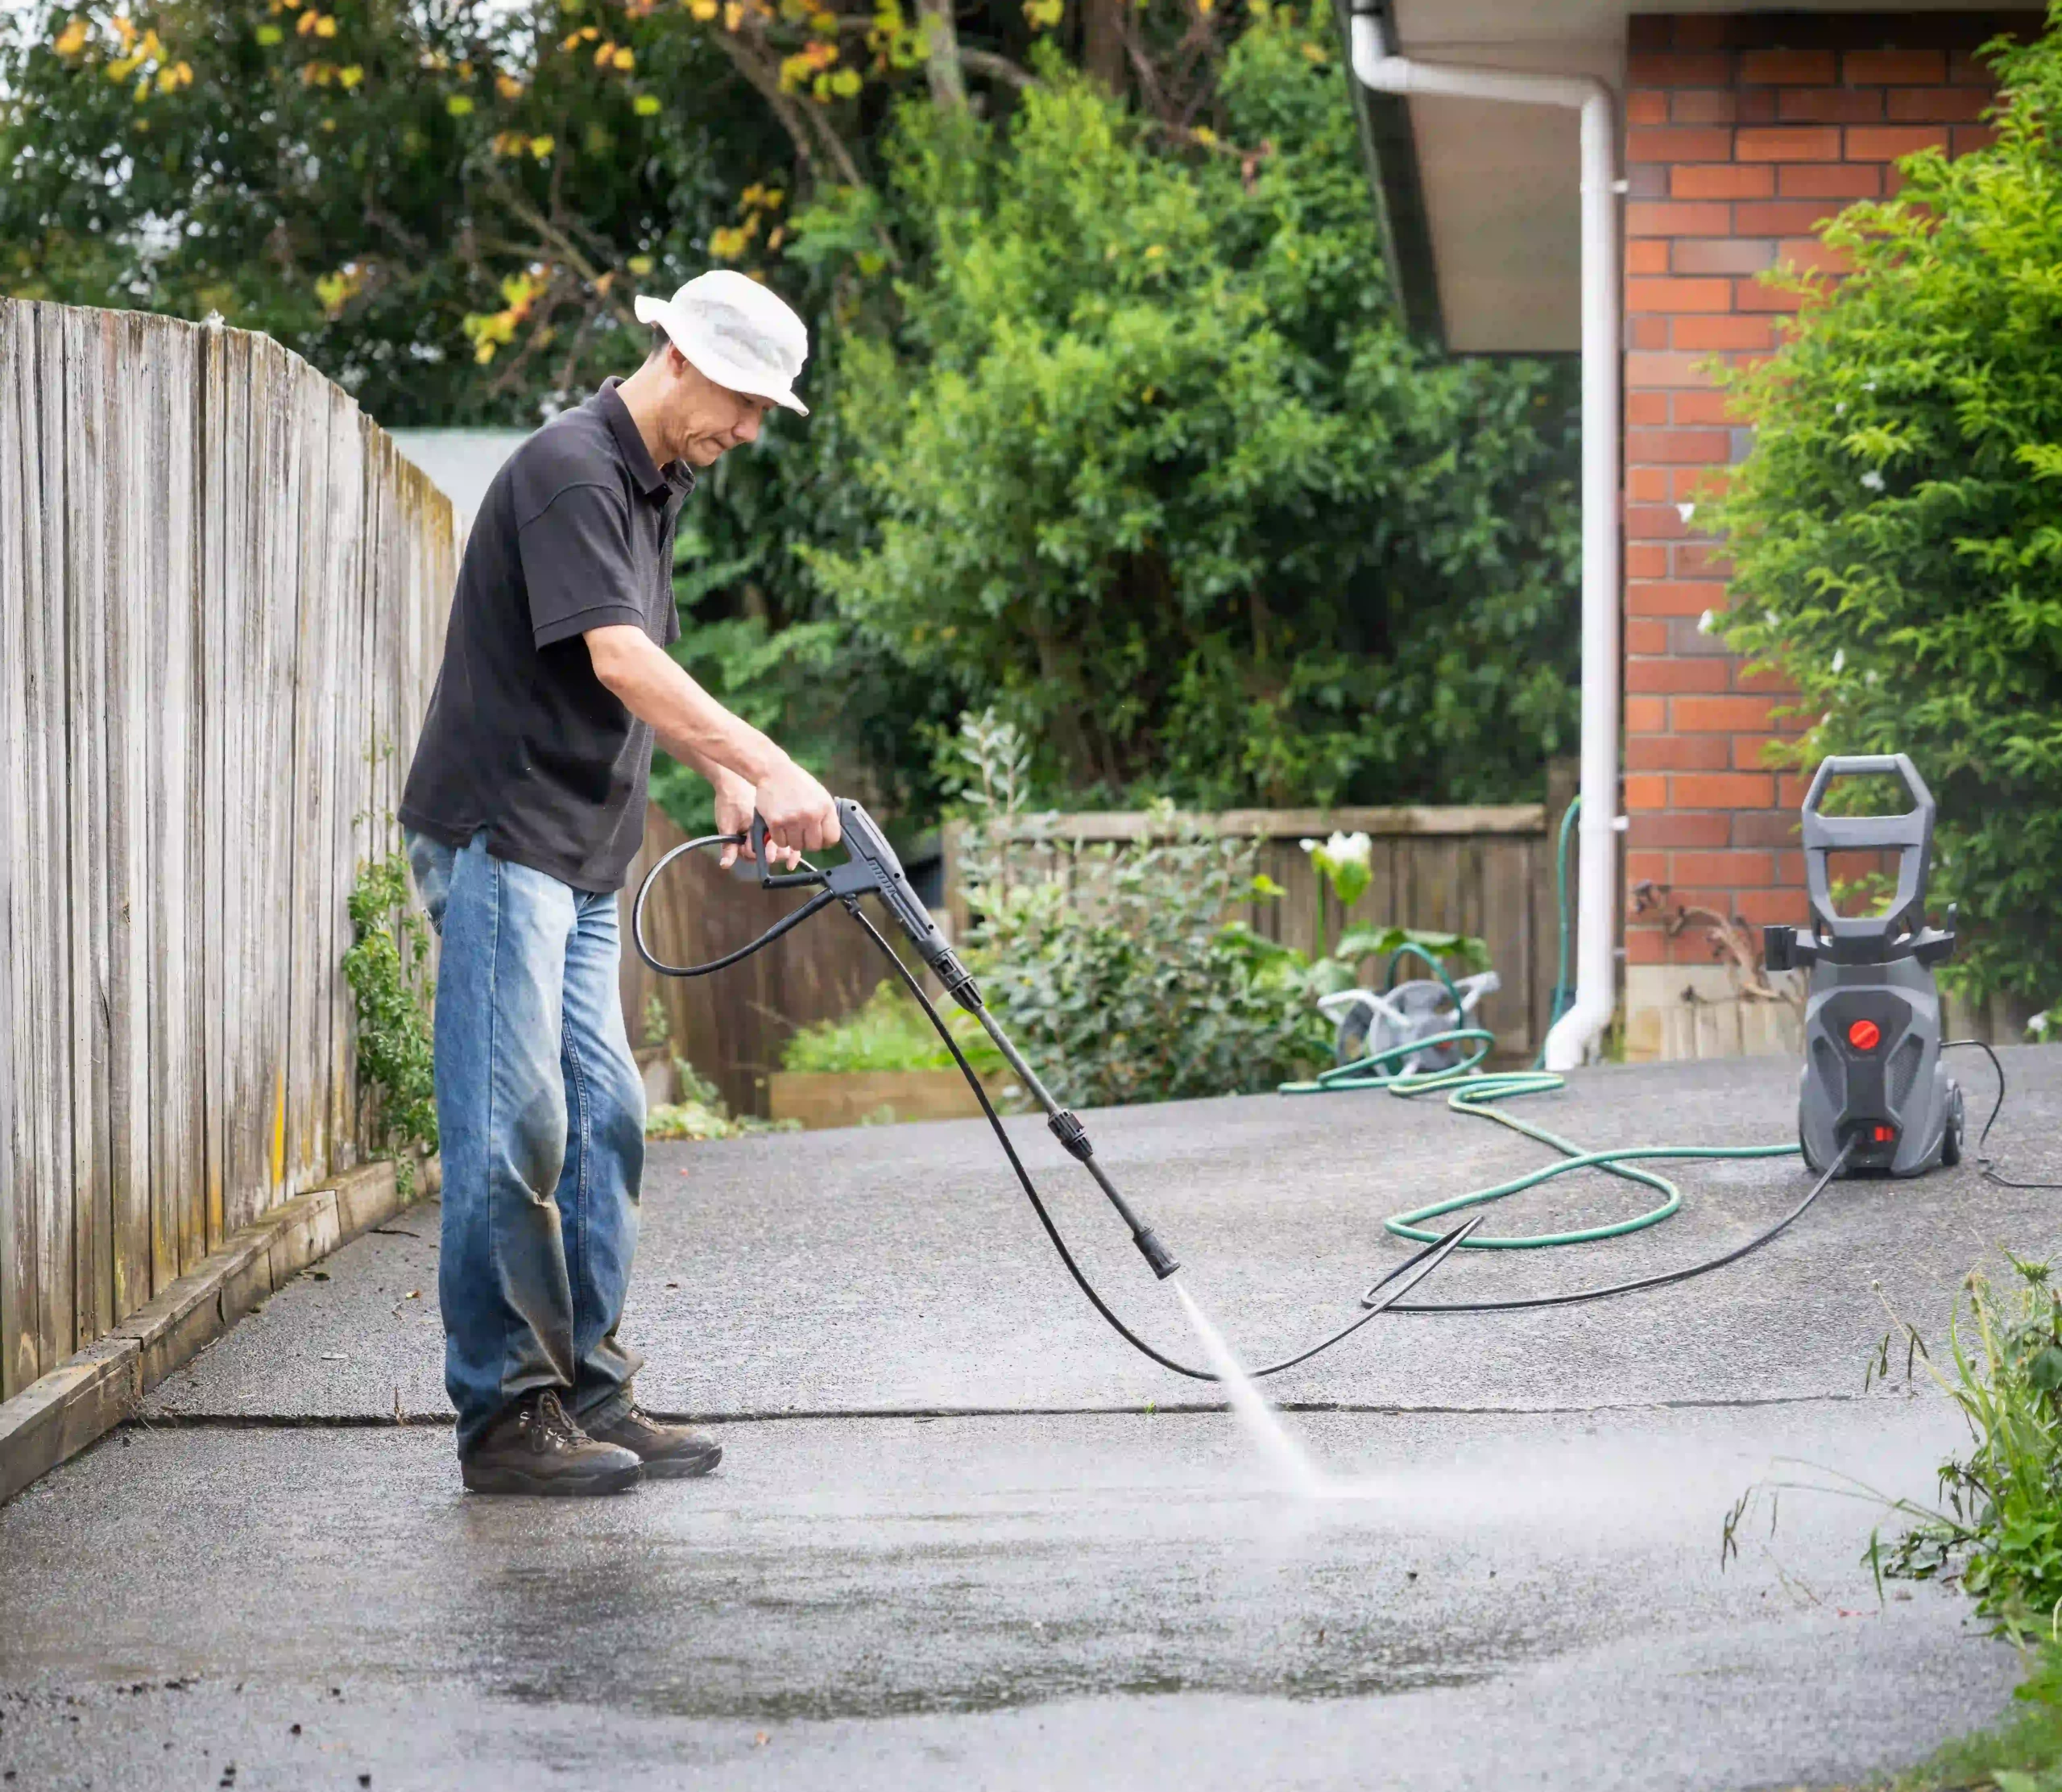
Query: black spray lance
871	868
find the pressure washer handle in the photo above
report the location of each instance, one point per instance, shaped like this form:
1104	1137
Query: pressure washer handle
769	878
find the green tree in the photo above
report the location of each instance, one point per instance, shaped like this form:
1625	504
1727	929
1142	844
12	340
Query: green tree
1154	469
443	207
1896	534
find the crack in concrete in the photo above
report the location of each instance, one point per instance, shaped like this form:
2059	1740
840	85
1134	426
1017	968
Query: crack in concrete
351	1422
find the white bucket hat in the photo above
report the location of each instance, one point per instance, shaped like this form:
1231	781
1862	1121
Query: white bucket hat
737	332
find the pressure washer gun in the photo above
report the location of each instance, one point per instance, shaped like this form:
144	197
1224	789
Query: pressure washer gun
1873	1084
871	868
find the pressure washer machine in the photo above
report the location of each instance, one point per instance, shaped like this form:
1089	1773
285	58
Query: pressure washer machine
1874	1088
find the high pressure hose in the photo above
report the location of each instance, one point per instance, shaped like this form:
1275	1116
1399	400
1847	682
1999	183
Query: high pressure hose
872	869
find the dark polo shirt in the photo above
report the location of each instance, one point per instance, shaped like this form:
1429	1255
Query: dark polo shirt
522	739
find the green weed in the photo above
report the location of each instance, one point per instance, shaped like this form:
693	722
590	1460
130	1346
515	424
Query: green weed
387	969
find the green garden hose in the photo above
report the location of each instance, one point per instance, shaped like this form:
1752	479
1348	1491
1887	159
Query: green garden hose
1468	1092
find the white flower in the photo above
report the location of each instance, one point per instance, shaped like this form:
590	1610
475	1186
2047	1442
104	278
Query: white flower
1349	849
1308	845
1873	480
1686	511
1705	621
1840	659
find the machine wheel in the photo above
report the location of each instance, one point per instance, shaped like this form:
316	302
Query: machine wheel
1951	1138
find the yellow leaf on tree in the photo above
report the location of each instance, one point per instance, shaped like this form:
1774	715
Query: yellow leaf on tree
509	87
846	82
72	39
733	14
124	30
603	282
602	55
1314	53
824	24
625	60
307	23
645	105
351	73
326	26
541	146
703	10
640	265
459	105
269	34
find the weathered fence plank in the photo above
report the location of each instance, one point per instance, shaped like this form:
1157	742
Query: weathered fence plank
49	1179
18	1343
193	622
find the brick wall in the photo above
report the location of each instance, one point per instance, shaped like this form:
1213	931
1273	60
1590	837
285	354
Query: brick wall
1741	132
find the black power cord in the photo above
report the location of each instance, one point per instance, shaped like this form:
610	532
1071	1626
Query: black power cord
1989	1165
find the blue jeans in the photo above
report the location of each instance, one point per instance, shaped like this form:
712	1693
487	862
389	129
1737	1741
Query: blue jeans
541	1113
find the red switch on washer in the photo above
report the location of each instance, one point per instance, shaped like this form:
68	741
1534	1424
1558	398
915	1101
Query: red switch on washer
1865	1035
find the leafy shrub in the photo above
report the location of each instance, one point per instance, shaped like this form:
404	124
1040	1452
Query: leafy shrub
386	968
890	1033
1896	533
701	1113
1115	969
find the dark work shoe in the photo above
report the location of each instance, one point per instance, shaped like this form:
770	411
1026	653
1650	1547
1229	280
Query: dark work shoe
534	1447
669	1452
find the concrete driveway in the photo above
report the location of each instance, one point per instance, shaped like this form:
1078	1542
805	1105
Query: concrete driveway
962	1536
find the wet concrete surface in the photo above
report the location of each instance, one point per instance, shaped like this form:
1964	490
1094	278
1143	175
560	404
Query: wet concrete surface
1533	1599
1065	1588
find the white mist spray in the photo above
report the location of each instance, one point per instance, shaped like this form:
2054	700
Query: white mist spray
1295	1471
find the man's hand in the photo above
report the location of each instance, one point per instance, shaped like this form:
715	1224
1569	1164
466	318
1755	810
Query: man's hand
735	806
799	814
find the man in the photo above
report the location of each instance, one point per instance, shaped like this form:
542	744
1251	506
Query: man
524	809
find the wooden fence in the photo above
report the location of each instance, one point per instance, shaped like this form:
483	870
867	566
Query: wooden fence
1484	871
222	604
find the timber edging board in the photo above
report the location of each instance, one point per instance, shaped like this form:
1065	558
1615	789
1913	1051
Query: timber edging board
1281	824
58	1414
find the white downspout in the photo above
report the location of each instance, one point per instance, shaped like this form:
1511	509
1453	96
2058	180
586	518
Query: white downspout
1575	1036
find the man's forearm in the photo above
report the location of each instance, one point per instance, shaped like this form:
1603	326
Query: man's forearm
691	724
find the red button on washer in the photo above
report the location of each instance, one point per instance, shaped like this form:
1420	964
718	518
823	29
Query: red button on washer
1865	1035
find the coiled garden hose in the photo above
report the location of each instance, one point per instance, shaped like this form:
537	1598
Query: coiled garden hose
1468	1092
